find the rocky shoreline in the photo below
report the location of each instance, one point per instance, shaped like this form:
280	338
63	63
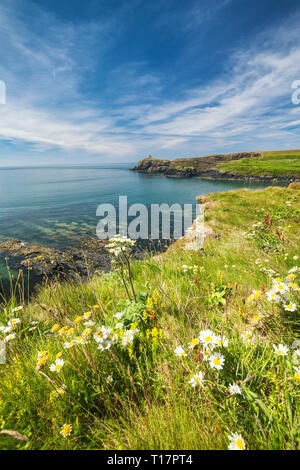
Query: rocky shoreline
204	168
47	264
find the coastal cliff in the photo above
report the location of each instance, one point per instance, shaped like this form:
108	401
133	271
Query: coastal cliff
282	166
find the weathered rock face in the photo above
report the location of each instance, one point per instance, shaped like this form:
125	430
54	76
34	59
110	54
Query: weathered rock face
187	167
49	263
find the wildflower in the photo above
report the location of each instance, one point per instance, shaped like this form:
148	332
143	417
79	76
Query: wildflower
89	323
96	306
70	332
63	330
66	430
273	297
222	341
118	315
57	365
194	343
290	307
247	336
208	338
104	345
109	379
234	389
127	339
9	337
80	340
61	390
14	322
86	332
295	257
216	361
78	319
236	442
257	294
42	359
69	344
297	374
55	327
206	354
281	349
179	351
17	309
87	315
197	380
280	288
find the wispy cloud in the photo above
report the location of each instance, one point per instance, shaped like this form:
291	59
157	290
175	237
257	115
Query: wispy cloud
54	100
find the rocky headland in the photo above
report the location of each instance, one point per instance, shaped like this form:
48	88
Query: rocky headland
206	168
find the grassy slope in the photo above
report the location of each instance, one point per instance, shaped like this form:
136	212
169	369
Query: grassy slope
275	164
150	404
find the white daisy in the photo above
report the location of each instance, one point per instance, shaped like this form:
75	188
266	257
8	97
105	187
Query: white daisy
179	351
57	365
281	349
216	361
236	442
234	389
197	379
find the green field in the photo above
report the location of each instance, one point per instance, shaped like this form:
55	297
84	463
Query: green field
150	402
272	164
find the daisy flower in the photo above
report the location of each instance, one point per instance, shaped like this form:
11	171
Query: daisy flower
194	343
9	337
61	390
66	430
290	307
57	365
216	361
55	327
197	380
118	315
236	442
208	338
179	351
234	389
222	341
281	349
273	297
104	345
247	336
297	374
109	379
17	309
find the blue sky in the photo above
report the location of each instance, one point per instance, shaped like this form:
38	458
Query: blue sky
114	81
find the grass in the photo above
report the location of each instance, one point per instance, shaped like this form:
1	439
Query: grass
150	404
271	164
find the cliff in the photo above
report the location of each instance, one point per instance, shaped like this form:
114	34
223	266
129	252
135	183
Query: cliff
187	167
282	166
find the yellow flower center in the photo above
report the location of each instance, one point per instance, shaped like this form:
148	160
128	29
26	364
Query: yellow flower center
57	367
208	339
217	361
240	444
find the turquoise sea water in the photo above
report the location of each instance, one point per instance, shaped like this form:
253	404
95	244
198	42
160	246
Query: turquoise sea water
56	205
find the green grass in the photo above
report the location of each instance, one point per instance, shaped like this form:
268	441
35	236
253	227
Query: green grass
150	404
272	164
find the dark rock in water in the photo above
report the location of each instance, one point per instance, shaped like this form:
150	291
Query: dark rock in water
90	258
49	263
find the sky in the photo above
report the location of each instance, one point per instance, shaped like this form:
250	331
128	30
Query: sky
107	81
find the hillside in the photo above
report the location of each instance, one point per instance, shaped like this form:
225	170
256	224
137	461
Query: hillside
282	165
207	349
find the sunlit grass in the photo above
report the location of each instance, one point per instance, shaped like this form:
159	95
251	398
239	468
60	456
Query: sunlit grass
150	404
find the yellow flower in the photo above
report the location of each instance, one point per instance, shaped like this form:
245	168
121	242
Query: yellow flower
55	327
58	355
70	331
86	315
194	343
78	319
96	306
63	330
66	430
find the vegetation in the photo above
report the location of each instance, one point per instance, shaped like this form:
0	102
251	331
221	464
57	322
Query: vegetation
177	351
272	164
